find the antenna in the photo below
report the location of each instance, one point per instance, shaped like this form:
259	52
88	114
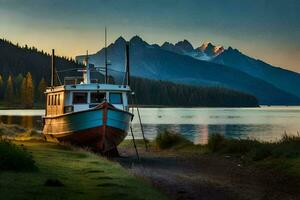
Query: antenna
53	70
87	72
87	57
106	78
126	79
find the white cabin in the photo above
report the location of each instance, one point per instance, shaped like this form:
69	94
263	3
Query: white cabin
82	93
73	98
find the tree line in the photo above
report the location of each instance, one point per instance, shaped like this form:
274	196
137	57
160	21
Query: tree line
21	91
164	93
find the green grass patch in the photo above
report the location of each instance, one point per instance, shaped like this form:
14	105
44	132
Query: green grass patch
68	173
283	155
287	147
15	158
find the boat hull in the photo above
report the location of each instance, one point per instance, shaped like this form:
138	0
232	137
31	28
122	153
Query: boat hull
101	128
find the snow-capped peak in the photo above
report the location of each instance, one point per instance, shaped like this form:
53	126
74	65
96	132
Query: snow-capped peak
210	50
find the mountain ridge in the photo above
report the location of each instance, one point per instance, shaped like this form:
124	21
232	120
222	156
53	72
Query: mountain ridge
149	61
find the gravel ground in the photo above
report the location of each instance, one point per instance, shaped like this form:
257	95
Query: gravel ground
208	177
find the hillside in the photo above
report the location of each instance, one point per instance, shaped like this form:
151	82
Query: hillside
153	62
150	92
280	78
15	60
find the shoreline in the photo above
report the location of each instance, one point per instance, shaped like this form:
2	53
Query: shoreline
158	106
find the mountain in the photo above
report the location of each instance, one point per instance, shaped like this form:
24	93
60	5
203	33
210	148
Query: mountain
17	61
281	78
185	48
158	63
206	51
210	50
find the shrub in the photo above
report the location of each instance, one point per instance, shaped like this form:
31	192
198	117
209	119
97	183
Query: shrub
260	152
216	142
13	157
168	139
241	146
288	146
53	183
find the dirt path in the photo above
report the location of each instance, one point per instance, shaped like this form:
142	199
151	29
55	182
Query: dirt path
208	177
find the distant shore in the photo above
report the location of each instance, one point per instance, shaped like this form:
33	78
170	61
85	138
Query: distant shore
16	107
2	107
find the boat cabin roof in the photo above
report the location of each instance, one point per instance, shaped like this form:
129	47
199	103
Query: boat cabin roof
89	87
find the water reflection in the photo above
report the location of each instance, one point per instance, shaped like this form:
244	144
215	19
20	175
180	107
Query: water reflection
30	122
199	133
196	124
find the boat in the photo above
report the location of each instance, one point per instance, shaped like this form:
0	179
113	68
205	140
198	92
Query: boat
86	113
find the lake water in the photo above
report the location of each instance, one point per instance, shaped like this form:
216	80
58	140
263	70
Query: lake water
196	124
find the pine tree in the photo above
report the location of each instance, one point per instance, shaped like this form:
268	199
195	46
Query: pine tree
9	92
18	87
41	90
29	91
23	92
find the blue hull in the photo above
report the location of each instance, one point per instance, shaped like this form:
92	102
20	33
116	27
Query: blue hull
102	128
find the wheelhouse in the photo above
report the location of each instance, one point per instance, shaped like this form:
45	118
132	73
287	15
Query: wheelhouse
78	97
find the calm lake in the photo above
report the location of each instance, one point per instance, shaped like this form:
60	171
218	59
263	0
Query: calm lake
196	124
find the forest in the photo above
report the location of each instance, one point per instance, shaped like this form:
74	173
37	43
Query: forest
25	74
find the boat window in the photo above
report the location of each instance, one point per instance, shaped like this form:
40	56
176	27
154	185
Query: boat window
115	98
55	99
79	97
58	99
68	109
52	100
97	97
49	96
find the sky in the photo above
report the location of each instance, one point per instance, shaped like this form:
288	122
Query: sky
268	30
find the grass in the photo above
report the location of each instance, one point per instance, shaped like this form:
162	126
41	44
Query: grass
168	139
15	158
283	155
287	147
67	173
165	140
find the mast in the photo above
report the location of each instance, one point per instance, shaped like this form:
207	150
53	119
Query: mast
86	72
53	70
105	59
127	73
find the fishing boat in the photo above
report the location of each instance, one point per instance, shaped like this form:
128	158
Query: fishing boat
87	113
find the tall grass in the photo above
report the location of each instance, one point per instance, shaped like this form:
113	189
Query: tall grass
168	139
287	147
15	158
